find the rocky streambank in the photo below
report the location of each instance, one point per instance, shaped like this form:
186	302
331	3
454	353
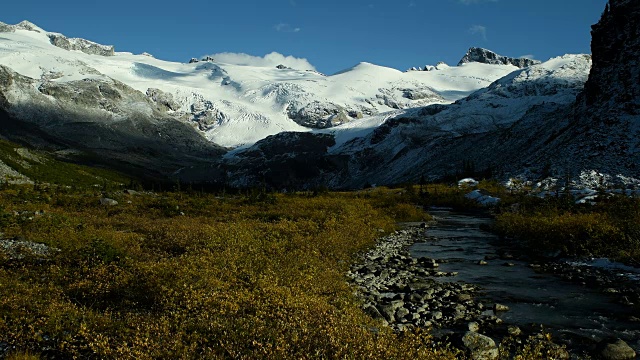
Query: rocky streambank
404	291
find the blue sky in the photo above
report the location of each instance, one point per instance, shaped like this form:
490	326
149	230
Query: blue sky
332	35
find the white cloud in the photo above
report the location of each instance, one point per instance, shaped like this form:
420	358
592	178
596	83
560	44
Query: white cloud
270	60
527	56
480	30
282	27
469	2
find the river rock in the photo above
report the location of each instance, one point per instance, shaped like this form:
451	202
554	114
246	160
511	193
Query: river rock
514	330
388	312
372	311
436	315
480	347
500	307
616	349
473	326
401	313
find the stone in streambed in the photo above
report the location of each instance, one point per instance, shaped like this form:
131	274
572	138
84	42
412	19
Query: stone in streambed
388	312
616	349
500	307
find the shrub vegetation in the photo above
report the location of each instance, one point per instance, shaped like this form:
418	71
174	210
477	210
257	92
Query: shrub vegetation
177	275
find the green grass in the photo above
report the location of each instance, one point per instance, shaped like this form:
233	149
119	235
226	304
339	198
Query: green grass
43	168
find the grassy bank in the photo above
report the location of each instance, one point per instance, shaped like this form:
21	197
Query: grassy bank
610	228
180	275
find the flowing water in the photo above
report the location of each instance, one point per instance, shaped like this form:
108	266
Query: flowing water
568	310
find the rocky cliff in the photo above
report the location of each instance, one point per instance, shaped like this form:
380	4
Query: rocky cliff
485	56
604	133
613	88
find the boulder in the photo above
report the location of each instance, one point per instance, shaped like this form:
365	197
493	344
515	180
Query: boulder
473	326
616	349
108	202
480	347
372	311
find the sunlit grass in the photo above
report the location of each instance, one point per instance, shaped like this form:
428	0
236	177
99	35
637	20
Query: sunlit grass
229	278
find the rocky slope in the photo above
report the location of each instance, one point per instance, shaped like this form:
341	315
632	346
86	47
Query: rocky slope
604	130
493	127
485	56
92	119
539	121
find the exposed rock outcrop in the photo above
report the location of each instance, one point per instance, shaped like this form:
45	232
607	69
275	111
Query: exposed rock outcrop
613	88
489	57
318	115
5	27
286	160
163	99
86	46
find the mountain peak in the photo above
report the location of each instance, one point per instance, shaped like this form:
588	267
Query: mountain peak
485	56
23	25
28	25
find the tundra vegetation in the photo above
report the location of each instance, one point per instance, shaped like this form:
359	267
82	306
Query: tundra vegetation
189	274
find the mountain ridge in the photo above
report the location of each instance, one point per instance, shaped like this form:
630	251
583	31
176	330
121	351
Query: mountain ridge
291	128
484	56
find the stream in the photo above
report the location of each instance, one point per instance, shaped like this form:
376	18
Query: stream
572	312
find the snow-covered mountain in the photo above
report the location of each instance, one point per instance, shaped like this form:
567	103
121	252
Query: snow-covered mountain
298	128
435	140
538	121
234	105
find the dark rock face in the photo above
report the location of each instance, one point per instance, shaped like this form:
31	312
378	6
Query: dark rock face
614	81
86	46
606	117
489	57
286	160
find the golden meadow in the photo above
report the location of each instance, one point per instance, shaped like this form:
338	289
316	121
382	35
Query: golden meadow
189	275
